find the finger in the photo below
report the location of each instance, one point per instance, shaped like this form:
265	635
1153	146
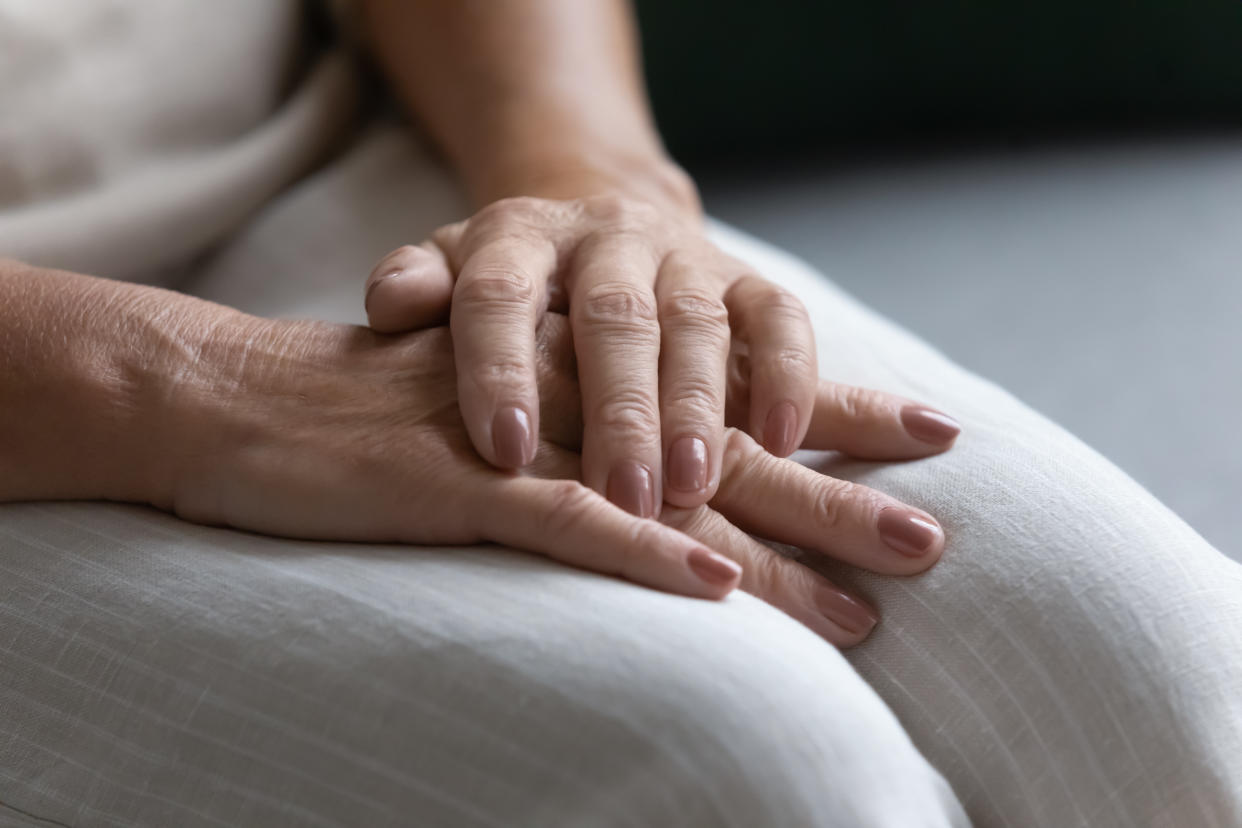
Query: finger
496	304
568	522
836	615
694	350
613	316
777	330
878	426
839	617
411	288
787	502
857	421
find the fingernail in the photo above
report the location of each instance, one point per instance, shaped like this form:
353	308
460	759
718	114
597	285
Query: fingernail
712	568
929	425
844	610
908	532
366	300
780	429
687	464
629	486
512	439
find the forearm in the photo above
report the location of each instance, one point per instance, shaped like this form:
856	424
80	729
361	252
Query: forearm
530	97
87	370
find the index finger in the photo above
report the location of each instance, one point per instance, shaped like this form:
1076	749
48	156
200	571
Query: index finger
499	296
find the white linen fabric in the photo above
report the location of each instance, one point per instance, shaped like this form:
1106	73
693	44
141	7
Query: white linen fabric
161	674
135	134
1075	659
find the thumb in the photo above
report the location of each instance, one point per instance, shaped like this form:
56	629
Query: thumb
411	288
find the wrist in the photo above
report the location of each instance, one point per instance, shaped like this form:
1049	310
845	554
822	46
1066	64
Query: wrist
648	176
145	387
190	349
208	369
91	366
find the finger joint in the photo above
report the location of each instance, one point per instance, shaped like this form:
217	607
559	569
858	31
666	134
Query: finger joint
619	308
505	291
628	413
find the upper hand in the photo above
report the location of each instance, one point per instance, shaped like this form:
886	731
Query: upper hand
653	305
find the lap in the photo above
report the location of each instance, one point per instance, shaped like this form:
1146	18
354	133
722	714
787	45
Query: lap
162	673
1042	665
1072	659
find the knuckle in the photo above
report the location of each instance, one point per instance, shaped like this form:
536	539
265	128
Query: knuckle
625	557
502	371
521	220
515	208
834	502
699	522
695	395
853	403
498	289
619	213
783	306
793	360
644	534
697	308
766	575
629	413
685	258
567	504
619	304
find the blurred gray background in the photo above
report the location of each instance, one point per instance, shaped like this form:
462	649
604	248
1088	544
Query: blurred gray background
1099	279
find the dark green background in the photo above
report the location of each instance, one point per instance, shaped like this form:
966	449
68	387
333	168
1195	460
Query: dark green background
730	77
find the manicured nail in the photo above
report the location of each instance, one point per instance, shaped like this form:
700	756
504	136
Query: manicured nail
630	487
366	300
780	429
908	532
929	425
687	464
844	610
712	568
512	439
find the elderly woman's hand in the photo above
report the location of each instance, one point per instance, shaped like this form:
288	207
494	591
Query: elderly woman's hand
322	431
653	305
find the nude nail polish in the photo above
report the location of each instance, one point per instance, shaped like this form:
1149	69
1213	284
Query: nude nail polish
366	300
908	532
512	439
780	430
929	425
630	487
844	610
687	465
712	568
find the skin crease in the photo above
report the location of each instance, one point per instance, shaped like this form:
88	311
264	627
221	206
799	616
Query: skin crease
308	429
540	105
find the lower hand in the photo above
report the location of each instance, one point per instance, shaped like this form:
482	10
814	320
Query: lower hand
322	431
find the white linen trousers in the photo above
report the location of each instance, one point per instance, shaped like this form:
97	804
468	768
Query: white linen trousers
1074	659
